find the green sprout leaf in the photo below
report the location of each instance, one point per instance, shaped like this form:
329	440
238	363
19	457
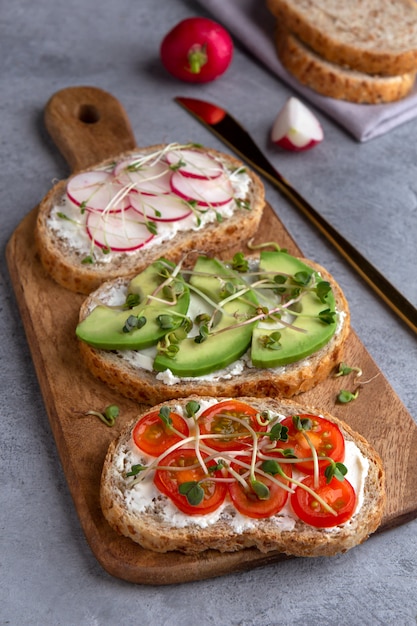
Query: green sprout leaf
270	467
272	341
203	334
132	300
323	289
193	491
239	263
108	416
136	469
166	322
260	489
304	423
192	407
302	278
335	470
345	396
134	322
278	432
345	369
165	415
327	316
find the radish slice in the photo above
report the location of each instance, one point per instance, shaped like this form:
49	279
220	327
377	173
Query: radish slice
147	178
194	163
97	191
119	232
165	208
206	192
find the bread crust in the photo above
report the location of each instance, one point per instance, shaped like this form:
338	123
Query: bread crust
337	82
143	386
372	37
64	264
152	532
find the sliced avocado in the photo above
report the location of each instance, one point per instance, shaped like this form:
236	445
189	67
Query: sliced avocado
209	277
292	345
103	327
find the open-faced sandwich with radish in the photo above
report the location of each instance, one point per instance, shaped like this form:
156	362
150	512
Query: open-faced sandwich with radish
227	474
116	218
266	324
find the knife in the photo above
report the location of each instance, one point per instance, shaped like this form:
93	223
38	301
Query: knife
232	133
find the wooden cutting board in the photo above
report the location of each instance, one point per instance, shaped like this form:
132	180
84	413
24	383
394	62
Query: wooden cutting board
89	125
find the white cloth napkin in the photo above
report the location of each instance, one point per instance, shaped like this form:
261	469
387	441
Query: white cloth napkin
250	22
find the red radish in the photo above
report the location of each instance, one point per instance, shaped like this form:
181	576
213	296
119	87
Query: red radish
118	232
149	178
97	191
197	50
296	128
206	192
194	163
164	208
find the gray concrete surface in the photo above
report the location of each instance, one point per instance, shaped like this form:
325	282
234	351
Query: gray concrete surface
48	575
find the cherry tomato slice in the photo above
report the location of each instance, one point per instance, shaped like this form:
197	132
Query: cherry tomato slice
221	419
153	436
169	481
325	436
340	495
247	501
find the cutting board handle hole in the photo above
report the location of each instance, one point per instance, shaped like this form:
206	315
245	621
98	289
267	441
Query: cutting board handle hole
88	113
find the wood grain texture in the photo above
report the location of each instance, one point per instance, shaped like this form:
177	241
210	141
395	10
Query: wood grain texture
50	313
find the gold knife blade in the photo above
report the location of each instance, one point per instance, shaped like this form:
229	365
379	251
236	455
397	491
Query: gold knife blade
234	135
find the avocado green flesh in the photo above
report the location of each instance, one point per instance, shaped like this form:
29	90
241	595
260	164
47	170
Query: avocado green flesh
217	351
103	327
294	344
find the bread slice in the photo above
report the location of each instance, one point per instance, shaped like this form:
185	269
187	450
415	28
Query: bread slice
373	37
334	81
158	526
73	261
120	372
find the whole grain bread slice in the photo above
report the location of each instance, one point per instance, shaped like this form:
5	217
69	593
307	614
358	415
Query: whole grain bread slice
149	387
374	37
65	261
154	530
334	81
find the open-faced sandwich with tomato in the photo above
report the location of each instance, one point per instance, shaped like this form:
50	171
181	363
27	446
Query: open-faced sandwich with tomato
268	324
205	473
118	217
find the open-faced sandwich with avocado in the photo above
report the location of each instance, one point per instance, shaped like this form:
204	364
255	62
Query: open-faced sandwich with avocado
268	324
203	473
118	217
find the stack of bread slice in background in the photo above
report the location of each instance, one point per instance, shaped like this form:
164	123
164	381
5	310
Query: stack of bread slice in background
362	51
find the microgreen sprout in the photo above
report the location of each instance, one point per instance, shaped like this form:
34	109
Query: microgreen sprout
335	470
345	396
239	263
192	407
108	416
345	369
134	322
136	469
165	415
193	491
260	489
132	300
